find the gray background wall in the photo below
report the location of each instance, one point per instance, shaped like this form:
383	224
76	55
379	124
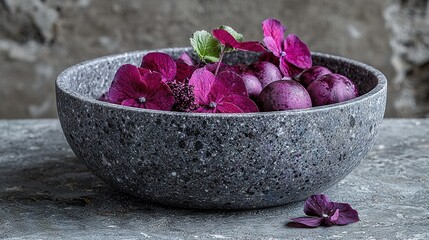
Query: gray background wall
39	38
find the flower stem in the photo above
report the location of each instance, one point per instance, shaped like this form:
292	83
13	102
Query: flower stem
220	59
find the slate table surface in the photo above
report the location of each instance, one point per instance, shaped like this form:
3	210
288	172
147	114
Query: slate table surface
47	193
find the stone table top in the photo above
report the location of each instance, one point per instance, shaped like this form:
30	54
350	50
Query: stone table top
46	192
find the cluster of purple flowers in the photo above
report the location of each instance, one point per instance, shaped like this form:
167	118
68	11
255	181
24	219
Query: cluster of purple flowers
164	83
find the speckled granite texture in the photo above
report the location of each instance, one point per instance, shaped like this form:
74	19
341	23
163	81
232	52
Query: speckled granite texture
47	193
229	161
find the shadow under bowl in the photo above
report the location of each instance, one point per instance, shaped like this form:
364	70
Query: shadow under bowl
218	161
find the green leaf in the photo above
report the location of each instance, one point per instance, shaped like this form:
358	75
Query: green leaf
206	46
235	34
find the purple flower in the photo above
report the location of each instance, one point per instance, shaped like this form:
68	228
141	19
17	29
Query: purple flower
224	93
185	58
228	40
131	88
323	212
293	54
161	63
184	68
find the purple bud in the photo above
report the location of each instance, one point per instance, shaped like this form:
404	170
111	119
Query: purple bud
331	88
284	95
266	72
253	85
312	74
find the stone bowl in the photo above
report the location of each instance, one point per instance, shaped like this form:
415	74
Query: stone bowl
218	161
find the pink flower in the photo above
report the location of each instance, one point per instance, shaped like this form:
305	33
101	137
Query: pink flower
228	40
161	63
185	58
323	212
131	88
185	67
224	93
293	54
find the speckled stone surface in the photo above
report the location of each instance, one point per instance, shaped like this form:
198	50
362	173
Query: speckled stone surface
213	161
47	193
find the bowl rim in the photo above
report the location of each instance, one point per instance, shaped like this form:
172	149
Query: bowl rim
61	82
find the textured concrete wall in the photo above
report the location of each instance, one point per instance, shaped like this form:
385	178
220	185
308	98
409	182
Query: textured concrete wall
40	38
409	22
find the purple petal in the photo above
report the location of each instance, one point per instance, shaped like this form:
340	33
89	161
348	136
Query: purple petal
225	38
126	84
143	71
131	103
252	46
223	67
231	83
159	95
297	52
186	59
308	221
274	29
154	106
330	220
160	62
317	205
104	97
346	214
273	46
288	69
184	71
205	110
228	107
335	216
284	68
202	80
245	104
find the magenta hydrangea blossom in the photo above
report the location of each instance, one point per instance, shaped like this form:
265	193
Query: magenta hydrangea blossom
164	83
170	69
224	93
323	212
228	40
185	58
184	71
161	63
184	67
130	88
293	54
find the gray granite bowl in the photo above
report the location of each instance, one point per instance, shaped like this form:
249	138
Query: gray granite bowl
218	161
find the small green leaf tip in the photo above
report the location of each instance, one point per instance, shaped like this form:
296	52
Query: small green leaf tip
206	46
